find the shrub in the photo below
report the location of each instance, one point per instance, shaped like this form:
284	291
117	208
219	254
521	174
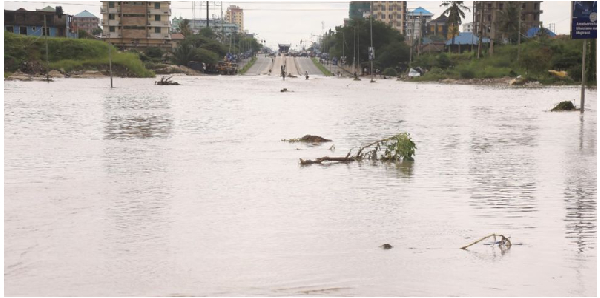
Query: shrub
466	73
390	72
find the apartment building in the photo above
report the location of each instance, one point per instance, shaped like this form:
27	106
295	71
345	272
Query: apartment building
137	24
467	27
392	13
86	21
235	15
486	16
417	22
39	23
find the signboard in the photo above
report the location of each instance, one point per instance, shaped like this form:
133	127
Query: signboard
583	20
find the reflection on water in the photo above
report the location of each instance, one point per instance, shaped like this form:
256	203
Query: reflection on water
138	127
149	191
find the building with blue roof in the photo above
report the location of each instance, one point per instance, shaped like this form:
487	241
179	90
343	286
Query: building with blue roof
86	21
464	41
416	20
534	31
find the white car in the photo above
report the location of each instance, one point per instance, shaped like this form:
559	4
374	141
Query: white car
414	73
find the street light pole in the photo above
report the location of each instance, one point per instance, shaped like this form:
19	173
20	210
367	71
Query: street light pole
372	51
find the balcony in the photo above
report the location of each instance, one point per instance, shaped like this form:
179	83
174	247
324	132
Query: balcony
160	36
110	22
113	10
158	23
161	11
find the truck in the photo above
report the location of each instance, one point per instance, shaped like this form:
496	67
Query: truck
227	68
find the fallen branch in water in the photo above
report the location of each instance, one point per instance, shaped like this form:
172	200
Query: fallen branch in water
166	81
503	241
395	148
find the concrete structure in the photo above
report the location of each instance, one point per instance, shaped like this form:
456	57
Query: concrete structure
392	13
467	27
439	27
530	16
86	21
417	19
137	24
358	9
235	15
32	23
215	25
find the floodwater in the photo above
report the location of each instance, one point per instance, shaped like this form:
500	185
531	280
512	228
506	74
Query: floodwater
148	190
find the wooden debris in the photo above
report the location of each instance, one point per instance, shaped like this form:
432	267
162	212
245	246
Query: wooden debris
166	81
504	241
386	246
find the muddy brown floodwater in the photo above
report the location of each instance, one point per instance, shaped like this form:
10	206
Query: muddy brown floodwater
148	190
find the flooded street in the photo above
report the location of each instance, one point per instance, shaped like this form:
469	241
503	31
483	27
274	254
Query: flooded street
148	190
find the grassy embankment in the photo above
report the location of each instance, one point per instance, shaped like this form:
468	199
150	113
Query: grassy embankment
248	65
69	55
320	66
536	58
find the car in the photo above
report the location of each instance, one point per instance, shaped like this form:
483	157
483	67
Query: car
414	73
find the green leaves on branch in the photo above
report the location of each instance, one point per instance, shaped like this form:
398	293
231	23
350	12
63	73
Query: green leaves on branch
396	148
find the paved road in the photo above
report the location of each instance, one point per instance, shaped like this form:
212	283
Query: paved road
306	64
261	66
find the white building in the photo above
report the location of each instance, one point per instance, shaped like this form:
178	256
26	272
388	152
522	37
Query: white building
467	27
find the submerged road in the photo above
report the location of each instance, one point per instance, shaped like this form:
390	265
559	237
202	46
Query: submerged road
261	66
306	64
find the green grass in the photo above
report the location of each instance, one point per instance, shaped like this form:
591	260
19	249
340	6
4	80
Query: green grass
248	65
7	74
320	66
70	54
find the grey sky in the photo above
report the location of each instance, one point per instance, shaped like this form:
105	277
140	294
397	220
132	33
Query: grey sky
292	21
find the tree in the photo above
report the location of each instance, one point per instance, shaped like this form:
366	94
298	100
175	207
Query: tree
508	21
97	31
84	35
392	55
205	56
455	11
207	32
184	28
183	53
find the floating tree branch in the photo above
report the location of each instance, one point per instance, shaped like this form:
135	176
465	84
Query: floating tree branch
308	139
503	241
395	148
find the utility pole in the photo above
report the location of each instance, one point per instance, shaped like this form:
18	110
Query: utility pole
493	28
480	27
110	63
354	50
372	51
519	31
46	32
222	28
207	16
583	77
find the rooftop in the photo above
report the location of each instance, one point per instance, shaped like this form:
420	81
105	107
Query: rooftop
85	14
420	11
466	38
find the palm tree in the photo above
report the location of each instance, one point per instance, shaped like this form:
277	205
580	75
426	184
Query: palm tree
455	11
184	27
508	21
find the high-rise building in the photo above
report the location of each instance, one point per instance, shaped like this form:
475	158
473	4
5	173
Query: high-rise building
358	9
137	24
486	16
86	21
235	15
392	13
217	25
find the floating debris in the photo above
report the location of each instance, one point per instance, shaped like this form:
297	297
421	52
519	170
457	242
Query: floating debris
166	81
503	243
564	106
308	139
386	246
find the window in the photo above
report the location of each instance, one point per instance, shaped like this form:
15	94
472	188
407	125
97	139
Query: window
111	16
500	6
111	29
383	17
111	4
22	30
10	29
157	5
382	7
157	17
536	6
157	30
523	6
46	31
390	16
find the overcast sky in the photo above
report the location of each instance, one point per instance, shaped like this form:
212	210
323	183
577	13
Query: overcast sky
292	21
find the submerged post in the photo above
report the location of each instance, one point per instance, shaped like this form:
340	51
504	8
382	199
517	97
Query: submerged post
110	65
583	77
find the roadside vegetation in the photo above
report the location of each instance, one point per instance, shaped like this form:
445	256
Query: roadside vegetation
28	54
248	65
321	67
512	55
